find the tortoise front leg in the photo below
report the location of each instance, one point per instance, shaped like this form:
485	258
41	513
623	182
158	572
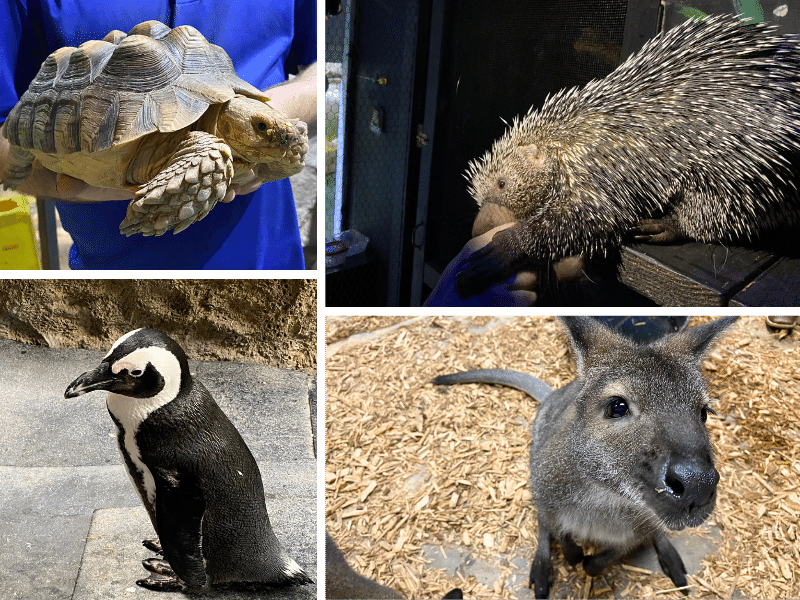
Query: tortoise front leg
195	178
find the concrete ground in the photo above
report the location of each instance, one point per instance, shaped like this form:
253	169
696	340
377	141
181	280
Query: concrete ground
71	524
691	546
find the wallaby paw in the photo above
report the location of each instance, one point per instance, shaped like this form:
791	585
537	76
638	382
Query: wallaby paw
541	578
573	553
671	562
594	564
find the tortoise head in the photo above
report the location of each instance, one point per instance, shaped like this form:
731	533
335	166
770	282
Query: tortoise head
260	133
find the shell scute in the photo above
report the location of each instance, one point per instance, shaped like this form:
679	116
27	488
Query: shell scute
113	91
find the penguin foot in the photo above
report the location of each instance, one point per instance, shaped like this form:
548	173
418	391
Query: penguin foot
162	583
158	565
154	545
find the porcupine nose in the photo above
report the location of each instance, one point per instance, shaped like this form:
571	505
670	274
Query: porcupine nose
490	216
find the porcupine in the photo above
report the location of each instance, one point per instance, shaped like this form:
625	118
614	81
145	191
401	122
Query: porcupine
694	137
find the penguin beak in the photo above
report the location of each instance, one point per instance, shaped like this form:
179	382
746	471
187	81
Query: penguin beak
100	378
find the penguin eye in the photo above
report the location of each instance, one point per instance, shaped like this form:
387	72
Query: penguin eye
137	373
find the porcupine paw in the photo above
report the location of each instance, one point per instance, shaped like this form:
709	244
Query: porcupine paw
482	269
657	231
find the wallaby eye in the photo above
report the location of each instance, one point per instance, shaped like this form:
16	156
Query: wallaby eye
616	407
704	413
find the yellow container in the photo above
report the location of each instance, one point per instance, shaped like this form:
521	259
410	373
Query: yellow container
17	245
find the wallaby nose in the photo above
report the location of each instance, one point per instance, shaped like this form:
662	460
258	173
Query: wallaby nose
691	483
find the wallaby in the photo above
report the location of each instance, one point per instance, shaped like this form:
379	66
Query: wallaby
621	454
341	581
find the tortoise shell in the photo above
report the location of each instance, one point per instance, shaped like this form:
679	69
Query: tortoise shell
110	92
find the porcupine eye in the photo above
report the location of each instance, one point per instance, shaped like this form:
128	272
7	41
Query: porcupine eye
501	183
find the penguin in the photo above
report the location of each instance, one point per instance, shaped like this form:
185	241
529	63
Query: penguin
191	468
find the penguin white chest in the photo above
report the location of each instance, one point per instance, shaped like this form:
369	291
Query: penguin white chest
130	414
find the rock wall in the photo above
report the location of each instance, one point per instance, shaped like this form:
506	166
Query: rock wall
272	322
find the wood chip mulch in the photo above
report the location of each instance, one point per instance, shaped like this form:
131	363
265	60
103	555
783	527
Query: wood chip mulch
410	466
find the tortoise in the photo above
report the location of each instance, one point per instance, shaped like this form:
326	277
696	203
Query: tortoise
157	111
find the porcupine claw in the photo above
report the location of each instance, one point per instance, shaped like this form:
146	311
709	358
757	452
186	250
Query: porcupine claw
483	268
657	231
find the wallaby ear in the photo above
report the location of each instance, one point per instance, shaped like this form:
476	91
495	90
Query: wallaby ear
697	341
586	333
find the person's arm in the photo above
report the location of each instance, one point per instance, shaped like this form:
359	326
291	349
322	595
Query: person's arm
43	183
517	290
297	97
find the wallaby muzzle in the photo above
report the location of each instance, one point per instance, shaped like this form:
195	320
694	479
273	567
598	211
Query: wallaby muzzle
686	491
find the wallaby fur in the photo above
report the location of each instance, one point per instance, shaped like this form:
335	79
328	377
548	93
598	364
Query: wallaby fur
621	454
341	581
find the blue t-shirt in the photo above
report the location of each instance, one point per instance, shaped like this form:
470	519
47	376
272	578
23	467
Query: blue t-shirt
266	39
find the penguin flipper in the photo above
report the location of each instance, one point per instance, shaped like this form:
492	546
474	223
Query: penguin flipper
179	513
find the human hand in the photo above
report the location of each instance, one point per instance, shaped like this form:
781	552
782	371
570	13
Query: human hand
252	179
297	97
517	290
43	183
